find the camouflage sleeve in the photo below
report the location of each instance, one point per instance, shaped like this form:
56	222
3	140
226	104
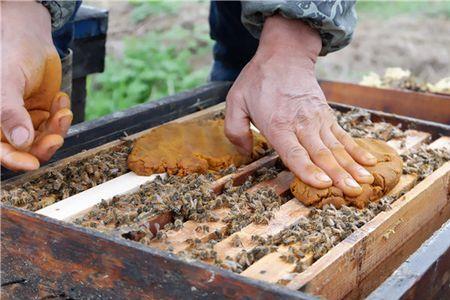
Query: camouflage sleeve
60	11
335	20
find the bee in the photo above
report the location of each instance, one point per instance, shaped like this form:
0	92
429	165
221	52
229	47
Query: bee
236	241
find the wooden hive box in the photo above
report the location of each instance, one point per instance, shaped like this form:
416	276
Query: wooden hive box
44	254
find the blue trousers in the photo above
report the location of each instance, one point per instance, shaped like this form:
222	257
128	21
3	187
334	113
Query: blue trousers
234	45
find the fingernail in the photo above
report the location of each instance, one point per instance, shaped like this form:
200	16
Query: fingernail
19	135
64	123
364	173
64	102
322	177
351	183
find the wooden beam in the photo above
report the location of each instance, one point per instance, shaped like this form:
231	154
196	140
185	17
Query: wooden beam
241	175
289	214
424	275
441	143
426	106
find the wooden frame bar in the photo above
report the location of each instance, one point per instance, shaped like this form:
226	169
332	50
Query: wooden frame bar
425	275
426	106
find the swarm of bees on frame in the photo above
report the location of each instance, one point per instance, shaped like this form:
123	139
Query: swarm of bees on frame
187	198
191	198
71	179
357	122
424	161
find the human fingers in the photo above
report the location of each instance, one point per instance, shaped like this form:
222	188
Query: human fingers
357	153
45	146
59	123
324	159
16	124
296	158
344	159
237	124
16	160
60	101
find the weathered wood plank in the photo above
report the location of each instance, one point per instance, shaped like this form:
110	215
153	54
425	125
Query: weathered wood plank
79	204
426	273
426	106
53	259
360	253
400	255
281	183
288	215
441	143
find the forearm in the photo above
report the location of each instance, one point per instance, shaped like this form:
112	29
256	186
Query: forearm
289	37
333	20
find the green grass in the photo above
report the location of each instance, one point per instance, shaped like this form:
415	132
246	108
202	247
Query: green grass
153	66
144	9
388	9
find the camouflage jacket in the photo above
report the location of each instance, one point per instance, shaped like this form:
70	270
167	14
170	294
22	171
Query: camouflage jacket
60	11
335	20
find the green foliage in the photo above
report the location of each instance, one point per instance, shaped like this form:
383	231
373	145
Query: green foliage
383	9
144	9
153	66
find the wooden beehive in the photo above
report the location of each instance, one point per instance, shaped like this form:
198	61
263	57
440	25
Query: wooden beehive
78	261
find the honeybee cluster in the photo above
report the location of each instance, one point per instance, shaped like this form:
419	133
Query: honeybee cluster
424	161
187	197
358	123
68	180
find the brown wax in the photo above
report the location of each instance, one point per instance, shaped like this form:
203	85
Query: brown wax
189	147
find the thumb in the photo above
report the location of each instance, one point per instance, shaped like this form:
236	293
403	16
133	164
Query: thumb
237	124
16	124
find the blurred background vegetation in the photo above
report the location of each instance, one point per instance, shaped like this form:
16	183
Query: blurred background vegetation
158	48
155	64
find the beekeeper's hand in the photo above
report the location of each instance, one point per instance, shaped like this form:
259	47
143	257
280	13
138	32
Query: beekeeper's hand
279	93
35	115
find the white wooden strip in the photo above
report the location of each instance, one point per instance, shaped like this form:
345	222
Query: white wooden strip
79	204
412	140
441	143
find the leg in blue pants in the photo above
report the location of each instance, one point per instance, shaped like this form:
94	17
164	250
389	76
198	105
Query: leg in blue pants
234	45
